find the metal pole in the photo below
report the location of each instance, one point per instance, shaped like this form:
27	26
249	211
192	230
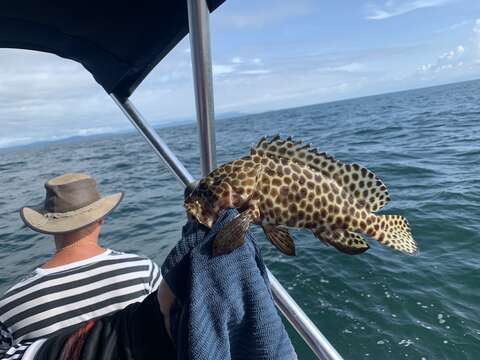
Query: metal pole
287	305
155	141
198	16
318	343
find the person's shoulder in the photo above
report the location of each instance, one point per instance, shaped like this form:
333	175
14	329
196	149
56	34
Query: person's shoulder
126	255
23	283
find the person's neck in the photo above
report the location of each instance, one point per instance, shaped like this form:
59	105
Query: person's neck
72	249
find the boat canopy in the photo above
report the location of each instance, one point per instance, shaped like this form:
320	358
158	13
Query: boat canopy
119	42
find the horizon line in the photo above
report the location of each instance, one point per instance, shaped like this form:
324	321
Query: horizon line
172	123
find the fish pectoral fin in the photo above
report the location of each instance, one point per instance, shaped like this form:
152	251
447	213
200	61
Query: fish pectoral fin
343	240
281	238
232	235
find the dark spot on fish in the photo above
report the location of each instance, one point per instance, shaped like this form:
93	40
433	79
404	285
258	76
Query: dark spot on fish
276	182
364	172
352	187
284	191
318	178
301	155
338	200
287	170
274	192
317	203
301	215
296	168
323	213
356	167
325	188
309	208
331	168
294	187
309	157
331	197
311	185
308	174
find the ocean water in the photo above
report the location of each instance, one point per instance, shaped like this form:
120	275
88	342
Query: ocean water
424	144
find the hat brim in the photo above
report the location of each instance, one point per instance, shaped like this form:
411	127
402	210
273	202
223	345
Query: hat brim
48	223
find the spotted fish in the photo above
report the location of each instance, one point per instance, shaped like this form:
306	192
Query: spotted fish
286	184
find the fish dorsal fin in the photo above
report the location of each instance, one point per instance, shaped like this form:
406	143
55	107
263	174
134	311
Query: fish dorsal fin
358	181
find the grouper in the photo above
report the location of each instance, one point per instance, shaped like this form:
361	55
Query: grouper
286	184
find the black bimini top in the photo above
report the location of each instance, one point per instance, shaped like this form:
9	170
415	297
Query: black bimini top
119	42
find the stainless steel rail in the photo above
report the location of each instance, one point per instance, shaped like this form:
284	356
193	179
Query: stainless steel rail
203	83
155	141
287	305
202	69
318	343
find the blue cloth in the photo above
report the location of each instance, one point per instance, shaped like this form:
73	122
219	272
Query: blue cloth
224	307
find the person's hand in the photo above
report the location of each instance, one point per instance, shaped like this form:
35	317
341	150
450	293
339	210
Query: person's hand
166	298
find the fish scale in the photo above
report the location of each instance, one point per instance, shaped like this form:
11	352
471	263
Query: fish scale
286	184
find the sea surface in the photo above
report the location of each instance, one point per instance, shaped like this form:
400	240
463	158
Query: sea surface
424	144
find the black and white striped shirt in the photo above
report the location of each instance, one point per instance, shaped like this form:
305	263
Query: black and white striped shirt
54	299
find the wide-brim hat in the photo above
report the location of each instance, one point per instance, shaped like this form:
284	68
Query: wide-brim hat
71	203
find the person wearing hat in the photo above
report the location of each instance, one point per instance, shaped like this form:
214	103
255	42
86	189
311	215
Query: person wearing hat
82	281
88	302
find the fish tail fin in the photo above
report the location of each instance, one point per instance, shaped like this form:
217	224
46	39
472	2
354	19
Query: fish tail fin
394	231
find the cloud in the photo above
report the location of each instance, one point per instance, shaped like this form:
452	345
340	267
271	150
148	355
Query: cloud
236	60
449	60
255	72
391	8
219	69
264	14
352	67
454	26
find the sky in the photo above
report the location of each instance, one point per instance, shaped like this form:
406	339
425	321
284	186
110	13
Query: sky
267	55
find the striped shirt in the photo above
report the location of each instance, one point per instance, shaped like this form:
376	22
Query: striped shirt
54	299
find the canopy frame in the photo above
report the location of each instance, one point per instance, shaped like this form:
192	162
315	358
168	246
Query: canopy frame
198	16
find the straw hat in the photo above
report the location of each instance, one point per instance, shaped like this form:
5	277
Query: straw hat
71	203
